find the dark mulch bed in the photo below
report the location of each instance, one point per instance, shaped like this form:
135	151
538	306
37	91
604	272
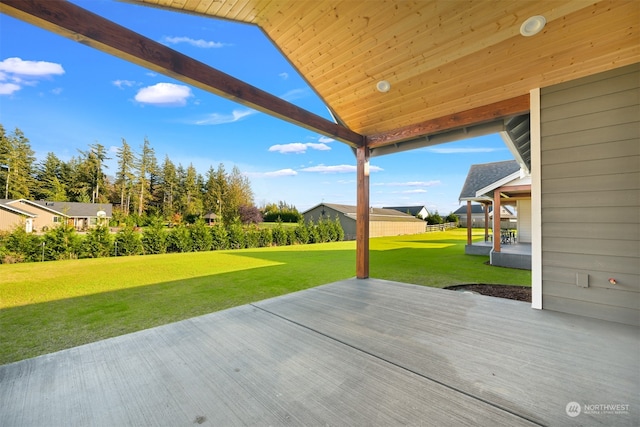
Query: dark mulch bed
518	293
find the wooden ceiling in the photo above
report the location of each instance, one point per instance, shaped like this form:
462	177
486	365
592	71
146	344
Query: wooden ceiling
452	64
440	57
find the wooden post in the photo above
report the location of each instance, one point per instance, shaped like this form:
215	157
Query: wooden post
486	221
362	213
469	222
496	220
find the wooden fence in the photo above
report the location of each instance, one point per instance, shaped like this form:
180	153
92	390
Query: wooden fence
442	227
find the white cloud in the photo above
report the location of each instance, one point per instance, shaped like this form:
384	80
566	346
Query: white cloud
325	139
164	94
338	169
30	68
8	88
409	184
416	191
193	42
219	119
122	83
298	147
294	94
284	76
274	174
57	91
444	150
21	73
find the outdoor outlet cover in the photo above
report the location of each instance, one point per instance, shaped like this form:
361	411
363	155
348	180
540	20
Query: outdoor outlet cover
582	280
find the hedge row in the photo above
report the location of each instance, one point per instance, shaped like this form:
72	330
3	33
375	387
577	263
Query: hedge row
64	242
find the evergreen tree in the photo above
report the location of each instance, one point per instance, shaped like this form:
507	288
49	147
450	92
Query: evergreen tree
168	187
51	180
145	167
125	176
17	159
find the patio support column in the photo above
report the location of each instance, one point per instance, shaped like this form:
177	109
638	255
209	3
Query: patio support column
469	222
486	221
496	220
362	213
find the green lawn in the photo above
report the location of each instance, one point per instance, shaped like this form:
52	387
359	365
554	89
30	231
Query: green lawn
45	307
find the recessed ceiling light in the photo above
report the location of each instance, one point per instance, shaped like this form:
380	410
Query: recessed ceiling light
383	86
533	25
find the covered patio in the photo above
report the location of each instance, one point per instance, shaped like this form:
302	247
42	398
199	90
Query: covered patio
355	352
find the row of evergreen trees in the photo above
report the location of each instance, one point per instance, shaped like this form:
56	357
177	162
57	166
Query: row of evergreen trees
140	185
64	242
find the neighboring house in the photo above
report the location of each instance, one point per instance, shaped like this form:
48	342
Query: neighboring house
45	215
417	211
12	217
382	222
494	185
508	219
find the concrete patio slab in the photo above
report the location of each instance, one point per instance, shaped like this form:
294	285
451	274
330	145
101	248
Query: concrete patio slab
355	352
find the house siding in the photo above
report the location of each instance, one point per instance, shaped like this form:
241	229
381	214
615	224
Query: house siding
524	221
590	205
348	224
44	219
9	221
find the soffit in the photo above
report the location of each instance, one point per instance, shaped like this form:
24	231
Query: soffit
440	57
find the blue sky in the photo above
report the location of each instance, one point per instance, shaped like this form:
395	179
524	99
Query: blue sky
64	96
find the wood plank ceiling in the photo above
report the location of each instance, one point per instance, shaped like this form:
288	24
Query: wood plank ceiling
440	57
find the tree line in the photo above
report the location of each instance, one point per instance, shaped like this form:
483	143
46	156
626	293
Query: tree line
140	187
64	242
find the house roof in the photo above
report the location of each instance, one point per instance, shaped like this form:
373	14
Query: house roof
375	214
451	65
412	210
483	175
13	209
505	211
70	209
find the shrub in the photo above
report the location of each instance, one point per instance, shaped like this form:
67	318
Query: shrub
339	230
266	237
280	237
61	242
179	239
200	236
236	236
302	233
127	242
154	237
219	237
21	246
252	237
97	243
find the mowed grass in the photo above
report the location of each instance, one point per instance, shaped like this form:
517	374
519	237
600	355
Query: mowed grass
45	307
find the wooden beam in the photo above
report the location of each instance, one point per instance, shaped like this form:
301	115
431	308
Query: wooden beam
74	22
485	208
487	113
496	221
469	239
362	213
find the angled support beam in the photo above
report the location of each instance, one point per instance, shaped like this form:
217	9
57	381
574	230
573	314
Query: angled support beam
362	213
496	221
78	24
487	113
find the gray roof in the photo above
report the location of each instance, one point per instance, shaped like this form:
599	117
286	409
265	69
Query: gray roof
13	209
485	174
375	214
475	209
71	209
412	210
505	211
